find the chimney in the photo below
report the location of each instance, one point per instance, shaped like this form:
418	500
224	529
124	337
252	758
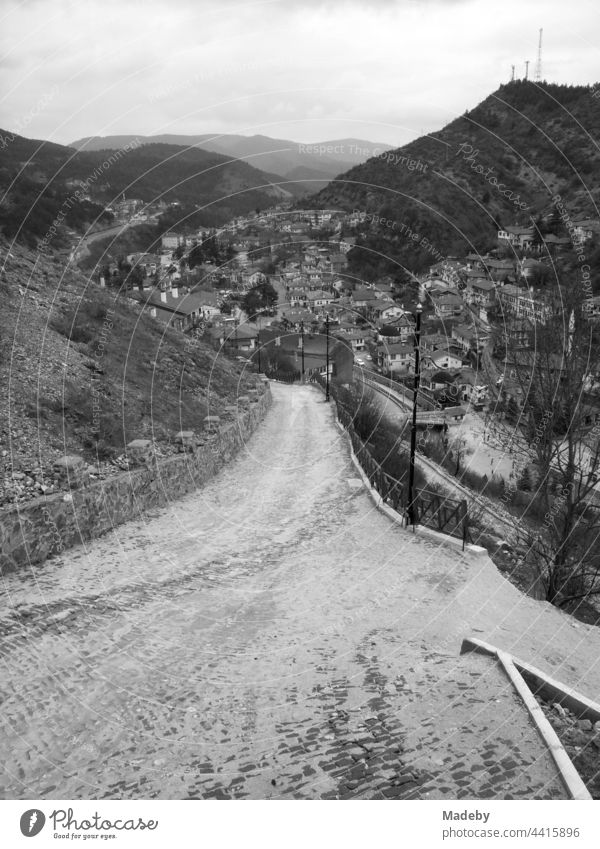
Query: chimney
153	312
102	282
175	291
163	296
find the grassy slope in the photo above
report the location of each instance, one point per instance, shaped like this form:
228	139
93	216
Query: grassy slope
147	380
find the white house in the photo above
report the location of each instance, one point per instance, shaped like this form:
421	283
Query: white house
397	358
172	240
442	359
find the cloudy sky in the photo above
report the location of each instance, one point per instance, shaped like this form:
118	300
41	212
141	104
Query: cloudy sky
309	70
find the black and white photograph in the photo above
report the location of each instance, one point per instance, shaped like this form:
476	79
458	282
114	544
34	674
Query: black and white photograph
300	422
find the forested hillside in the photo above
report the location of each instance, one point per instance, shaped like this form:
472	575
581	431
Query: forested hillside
39	182
499	164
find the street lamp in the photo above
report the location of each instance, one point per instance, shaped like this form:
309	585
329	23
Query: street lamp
413	430
258	338
327	357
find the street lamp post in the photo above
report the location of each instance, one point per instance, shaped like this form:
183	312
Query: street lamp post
258	319
302	347
327	358
413	430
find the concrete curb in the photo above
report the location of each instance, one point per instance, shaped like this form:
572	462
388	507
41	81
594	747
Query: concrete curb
539	682
474	551
569	775
513	668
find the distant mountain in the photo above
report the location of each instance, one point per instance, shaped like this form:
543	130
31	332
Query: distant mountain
39	182
276	156
499	164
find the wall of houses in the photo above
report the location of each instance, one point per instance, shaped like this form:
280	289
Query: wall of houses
47	525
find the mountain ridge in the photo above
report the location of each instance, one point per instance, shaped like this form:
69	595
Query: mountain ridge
273	155
503	162
40	184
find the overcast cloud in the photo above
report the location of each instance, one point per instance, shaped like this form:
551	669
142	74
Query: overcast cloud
385	70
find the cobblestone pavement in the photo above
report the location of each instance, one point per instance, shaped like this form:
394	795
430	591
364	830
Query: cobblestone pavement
270	636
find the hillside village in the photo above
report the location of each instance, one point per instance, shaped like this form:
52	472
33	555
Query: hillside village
300	436
477	310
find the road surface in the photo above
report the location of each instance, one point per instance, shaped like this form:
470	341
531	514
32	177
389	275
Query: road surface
270	636
80	248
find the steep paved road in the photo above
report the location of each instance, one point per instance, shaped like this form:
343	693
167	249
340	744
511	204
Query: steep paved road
270	636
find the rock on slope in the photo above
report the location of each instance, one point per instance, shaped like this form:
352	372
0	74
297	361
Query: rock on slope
84	372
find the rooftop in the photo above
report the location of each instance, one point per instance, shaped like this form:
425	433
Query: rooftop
185	304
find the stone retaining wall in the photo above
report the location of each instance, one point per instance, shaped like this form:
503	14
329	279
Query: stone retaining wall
29	533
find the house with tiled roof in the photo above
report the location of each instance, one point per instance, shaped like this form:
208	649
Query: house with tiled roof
360	297
383	308
523	303
500	269
516	237
294	318
449	270
586	228
238	338
473	388
357	339
399	329
469	338
433	341
396	358
179	311
442	359
447	304
319	298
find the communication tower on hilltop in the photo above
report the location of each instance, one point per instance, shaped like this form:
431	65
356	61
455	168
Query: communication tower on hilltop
538	64
526	69
512	76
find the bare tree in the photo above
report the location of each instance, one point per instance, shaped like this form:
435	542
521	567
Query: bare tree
561	526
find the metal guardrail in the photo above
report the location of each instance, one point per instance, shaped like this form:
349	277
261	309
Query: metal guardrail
431	509
511	523
374	376
284	376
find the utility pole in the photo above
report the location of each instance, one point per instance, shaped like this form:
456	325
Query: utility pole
302	346
327	358
413	430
